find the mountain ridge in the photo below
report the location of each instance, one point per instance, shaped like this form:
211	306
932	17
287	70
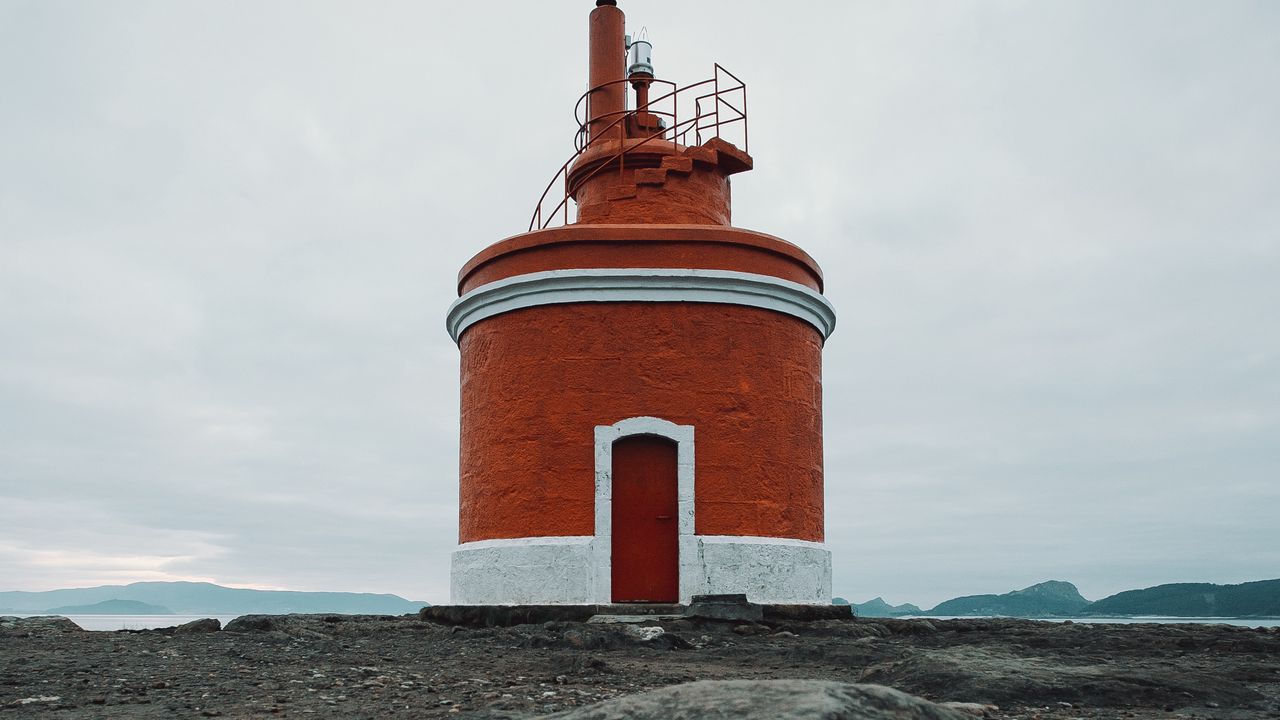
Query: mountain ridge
878	607
1057	598
1259	598
112	607
195	598
1052	598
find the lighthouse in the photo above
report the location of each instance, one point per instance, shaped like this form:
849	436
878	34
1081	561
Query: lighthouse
641	382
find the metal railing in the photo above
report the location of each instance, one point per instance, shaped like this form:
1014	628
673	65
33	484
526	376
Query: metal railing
718	102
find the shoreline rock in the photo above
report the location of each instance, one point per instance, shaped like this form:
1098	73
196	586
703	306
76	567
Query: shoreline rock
371	666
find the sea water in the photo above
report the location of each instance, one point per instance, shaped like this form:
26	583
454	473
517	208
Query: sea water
147	622
1161	619
134	622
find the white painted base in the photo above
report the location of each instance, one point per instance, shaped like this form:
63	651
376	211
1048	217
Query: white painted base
524	571
563	570
768	570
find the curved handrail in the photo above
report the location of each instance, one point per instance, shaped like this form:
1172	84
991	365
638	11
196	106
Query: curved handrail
582	109
694	124
564	201
584	123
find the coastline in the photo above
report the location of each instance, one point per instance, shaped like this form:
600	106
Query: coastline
112	622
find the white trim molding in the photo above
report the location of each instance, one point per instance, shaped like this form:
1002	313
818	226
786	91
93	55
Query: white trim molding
605	436
553	287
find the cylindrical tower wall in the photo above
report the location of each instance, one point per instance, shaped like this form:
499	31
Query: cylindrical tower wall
537	381
710	336
649	180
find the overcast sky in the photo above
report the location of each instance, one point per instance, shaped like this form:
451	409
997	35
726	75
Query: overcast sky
229	232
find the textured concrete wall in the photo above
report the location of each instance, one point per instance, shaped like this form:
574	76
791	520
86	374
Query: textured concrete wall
533	571
657	181
768	571
537	381
565	571
698	197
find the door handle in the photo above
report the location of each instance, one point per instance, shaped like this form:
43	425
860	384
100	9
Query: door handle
664	517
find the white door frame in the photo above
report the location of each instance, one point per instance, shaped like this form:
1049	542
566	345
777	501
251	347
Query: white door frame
602	545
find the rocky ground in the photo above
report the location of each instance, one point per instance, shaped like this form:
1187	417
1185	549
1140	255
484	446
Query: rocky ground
354	666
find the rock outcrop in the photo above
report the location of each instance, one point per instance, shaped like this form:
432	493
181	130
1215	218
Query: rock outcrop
39	626
195	627
766	700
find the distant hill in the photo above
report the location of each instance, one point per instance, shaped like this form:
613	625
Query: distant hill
112	607
877	607
1261	598
188	598
1061	599
1046	599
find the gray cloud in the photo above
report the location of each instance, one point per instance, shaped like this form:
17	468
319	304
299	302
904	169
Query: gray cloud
228	234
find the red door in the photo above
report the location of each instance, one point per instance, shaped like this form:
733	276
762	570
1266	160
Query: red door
646	554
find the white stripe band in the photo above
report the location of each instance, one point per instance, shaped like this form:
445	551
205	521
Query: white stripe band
565	570
585	539
641	285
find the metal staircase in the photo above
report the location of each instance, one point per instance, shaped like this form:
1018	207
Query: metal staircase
718	103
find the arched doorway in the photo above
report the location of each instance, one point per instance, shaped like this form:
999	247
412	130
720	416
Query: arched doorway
645	566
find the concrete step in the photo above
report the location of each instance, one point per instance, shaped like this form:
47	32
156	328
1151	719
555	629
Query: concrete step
651	176
712	608
680	164
640	609
629	619
702	154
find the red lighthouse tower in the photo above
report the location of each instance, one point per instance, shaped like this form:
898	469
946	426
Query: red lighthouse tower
641	388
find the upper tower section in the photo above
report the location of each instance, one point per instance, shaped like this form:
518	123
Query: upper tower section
647	151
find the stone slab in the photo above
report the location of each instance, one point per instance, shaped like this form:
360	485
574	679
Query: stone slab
734	607
628	619
806	613
508	615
